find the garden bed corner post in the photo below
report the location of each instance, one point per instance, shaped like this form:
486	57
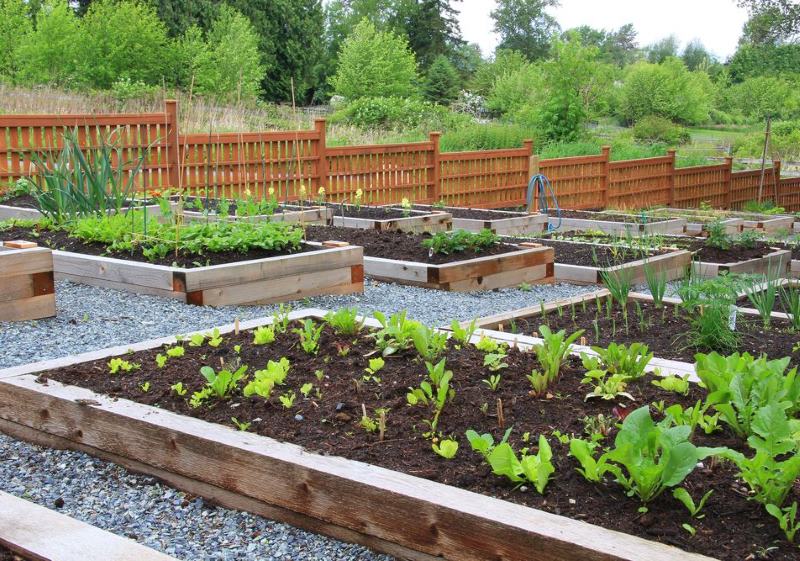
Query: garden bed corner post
606	155
436	172
322	156
173	158
671	154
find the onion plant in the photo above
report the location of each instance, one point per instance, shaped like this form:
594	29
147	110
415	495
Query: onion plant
78	182
762	296
791	304
656	283
618	282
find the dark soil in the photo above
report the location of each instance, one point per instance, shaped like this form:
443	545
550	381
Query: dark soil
57	239
605	217
471	213
8	555
370	212
665	331
793	247
591	255
733	527
396	245
20	201
212	205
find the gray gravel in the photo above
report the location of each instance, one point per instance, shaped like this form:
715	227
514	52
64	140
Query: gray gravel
92	318
141	508
109	497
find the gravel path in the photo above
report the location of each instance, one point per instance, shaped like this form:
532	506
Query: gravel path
139	507
92	318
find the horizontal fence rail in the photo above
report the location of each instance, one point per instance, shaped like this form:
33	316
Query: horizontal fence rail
292	165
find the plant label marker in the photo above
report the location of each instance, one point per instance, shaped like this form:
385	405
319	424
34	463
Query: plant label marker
236	326
20	244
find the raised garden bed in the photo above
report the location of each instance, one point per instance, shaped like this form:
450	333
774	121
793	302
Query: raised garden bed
400	257
24	207
699	220
429	508
281	212
663	330
34	533
585	263
27	289
501	222
614	223
772	261
388	218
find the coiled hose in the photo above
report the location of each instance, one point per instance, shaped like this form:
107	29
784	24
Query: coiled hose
539	186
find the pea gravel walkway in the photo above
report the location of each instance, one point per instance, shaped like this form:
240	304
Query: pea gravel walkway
141	508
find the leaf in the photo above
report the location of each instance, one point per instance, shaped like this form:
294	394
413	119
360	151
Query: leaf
504	462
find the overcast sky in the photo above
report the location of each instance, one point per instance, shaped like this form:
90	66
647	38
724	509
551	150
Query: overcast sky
717	23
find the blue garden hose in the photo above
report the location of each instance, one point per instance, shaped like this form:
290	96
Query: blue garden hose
538	186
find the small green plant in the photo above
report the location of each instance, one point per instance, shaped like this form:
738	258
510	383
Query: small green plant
375	366
676	384
287	399
718	238
762	295
240	425
787	519
306	388
309	334
493	381
462	334
117	365
630	362
539	383
606	386
494	361
447	243
179	389
791	304
486	345
197	340
446	448
214	338
145	387
396	333
435	390
224	382
264	381
429	343
554	350
709	305
533	468
176	352
686	500
656	284
161	360
345	321
619	284
264	335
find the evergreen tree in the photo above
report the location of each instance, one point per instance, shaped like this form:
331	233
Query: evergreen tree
432	28
442	83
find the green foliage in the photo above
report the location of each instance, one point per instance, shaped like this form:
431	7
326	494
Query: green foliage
791	304
686	500
442	82
764	96
374	63
15	26
762	294
764	60
345	321
656	283
447	243
122	38
429	343
666	90
486	136
630	362
525	26
658	129
505	62
787	519
264	335
229	65
462	334
435	390
740	386
309	336
396	113
396	333
708	304
265	380
79	182
675	384
533	468
446	448
647	457
552	353
222	383
117	365
49	54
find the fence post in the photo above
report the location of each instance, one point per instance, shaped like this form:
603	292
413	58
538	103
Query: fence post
671	154
605	152
776	176
729	181
320	126
173	146
436	174
533	170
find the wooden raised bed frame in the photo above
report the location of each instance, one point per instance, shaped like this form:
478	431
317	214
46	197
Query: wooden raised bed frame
27	289
402	515
20	213
674	264
332	269
36	533
312	215
416	222
776	263
518	224
668	226
530	263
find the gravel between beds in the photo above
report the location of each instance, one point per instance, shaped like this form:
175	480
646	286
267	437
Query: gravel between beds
110	497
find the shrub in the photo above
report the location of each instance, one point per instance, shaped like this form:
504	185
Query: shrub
397	113
375	64
49	54
14	26
442	82
659	129
489	136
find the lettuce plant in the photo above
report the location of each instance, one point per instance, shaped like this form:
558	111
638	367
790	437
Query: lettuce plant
554	350
345	321
533	468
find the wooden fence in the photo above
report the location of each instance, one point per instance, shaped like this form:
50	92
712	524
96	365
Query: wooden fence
295	164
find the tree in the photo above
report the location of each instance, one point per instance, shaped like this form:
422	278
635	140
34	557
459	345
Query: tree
49	55
505	62
375	63
230	67
695	56
764	60
660	51
14	25
442	83
122	39
772	22
616	46
467	59
524	26
666	90
180	15
764	96
432	28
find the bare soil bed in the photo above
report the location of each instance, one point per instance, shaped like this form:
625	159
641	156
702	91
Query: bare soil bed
473	213
329	423
590	255
396	245
605	217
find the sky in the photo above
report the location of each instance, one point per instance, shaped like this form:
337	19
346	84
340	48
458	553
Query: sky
654	20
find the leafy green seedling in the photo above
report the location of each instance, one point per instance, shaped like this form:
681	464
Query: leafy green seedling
176	352
447	448
676	384
239	425
179	389
116	365
264	335
493	381
494	361
686	500
306	388
161	360
145	387
287	399
787	519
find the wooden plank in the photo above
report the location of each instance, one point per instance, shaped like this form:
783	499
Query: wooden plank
123	286
36	307
91	269
395	270
483	266
19	244
243	272
422	515
40	533
16	288
537	274
14	262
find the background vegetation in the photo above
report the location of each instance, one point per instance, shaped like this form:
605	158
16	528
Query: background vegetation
392	70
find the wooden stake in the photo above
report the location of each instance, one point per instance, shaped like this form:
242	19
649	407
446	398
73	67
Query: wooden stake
382	425
236	326
501	418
